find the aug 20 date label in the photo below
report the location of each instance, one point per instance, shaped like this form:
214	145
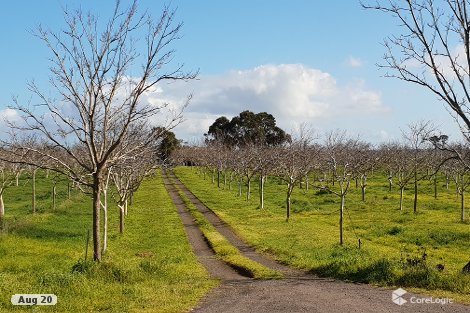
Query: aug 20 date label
34	299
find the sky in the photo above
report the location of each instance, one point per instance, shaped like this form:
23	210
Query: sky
306	62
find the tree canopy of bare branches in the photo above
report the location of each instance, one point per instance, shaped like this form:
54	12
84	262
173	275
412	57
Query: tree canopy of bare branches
96	116
433	50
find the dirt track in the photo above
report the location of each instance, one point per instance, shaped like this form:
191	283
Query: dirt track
299	292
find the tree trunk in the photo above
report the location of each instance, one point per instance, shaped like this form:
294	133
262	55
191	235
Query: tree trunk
462	203
131	199
230	181
121	218
33	199
341	218
225	180
105	218
213	176
462	207
54	193
96	218
248	189
447	182
240	182
363	187
415	201
68	190
18	178
290	187
2	210
401	198
261	192
435	186
218	178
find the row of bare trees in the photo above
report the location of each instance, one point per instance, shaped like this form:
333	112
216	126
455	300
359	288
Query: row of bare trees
333	163
122	178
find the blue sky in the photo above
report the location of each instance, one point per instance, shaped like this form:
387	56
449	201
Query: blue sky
303	61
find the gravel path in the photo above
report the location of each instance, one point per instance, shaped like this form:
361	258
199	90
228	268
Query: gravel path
231	236
299	292
216	268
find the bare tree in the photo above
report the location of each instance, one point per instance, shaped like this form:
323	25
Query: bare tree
248	166
340	160
294	163
127	177
265	161
459	171
7	177
417	139
462	181
364	159
432	51
100	78
400	165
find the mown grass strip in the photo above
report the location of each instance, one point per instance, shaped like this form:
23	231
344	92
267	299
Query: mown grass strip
224	249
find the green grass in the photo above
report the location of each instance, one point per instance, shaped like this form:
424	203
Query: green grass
150	268
225	250
393	241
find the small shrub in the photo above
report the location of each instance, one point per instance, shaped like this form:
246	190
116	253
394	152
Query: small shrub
421	277
322	191
111	271
417	259
83	266
380	271
395	230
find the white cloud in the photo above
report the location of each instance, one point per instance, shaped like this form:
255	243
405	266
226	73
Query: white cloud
443	64
8	114
354	62
293	93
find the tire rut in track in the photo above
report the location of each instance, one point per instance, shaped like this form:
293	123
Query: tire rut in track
216	268
232	237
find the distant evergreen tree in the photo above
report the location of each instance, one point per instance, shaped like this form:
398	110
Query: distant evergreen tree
247	128
166	144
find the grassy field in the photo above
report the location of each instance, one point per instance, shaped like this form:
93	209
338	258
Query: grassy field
393	241
151	268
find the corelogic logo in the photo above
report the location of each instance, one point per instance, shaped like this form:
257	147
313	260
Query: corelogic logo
397	296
